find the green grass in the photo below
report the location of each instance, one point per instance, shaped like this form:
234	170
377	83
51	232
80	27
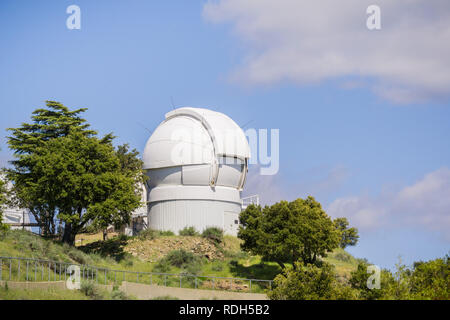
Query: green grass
40	294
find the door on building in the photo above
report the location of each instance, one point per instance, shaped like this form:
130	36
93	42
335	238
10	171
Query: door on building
231	223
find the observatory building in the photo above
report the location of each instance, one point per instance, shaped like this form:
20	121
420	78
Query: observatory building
196	161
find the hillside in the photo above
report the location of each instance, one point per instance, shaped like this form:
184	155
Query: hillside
146	255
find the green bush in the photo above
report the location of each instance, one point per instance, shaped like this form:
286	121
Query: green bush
431	279
180	258
214	234
188	231
183	259
148	234
166	233
119	295
309	282
162	266
91	290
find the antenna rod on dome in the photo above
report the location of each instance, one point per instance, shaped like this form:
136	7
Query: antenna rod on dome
246	124
143	126
173	105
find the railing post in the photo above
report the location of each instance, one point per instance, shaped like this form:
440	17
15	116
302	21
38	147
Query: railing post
1	268
27	270
137	277
10	266
48	272
35	267
180	279
105	276
250	285
195	282
18	271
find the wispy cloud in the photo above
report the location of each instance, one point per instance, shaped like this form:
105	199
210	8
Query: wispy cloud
312	41
424	204
318	182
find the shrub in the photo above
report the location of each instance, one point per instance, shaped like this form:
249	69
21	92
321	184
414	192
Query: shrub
91	290
188	231
162	266
148	234
166	233
309	282
180	258
119	295
358	281
214	234
430	280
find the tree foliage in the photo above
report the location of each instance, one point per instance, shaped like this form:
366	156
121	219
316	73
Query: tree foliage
349	236
431	279
310	282
424	281
62	168
288	231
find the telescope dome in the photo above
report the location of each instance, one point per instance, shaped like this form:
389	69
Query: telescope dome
196	161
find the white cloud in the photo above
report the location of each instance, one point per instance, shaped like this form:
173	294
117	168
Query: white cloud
425	204
362	212
313	41
318	182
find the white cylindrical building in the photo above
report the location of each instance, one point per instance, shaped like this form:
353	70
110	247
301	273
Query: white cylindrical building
196	161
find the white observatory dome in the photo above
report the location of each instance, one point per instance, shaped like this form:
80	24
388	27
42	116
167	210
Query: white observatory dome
196	161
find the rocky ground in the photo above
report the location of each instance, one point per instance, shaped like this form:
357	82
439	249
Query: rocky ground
153	250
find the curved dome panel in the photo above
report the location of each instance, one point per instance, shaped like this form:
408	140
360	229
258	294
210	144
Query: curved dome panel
178	141
228	138
194	136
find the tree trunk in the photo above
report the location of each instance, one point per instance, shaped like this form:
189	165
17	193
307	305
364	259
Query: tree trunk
105	234
68	236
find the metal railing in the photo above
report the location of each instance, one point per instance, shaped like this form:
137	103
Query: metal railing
245	202
35	270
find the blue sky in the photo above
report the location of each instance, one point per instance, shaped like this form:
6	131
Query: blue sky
369	138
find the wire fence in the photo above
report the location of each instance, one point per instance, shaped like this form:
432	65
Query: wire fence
35	270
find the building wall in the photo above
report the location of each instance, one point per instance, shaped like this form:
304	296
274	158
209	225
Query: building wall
175	215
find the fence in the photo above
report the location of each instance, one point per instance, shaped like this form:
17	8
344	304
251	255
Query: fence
27	269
